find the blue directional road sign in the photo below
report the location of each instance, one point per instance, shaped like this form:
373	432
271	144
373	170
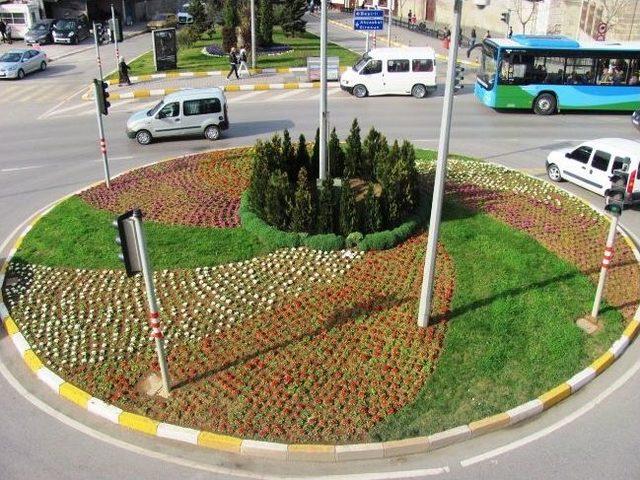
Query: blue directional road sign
370	20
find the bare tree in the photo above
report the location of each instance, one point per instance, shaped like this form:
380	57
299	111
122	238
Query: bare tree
611	11
526	11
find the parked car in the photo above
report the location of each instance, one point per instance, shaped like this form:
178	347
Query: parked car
200	111
184	18
163	20
635	119
18	63
71	30
41	32
395	71
591	163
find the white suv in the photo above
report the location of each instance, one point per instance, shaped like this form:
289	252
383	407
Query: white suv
591	163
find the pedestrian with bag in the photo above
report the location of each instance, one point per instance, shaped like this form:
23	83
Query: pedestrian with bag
123	72
233	63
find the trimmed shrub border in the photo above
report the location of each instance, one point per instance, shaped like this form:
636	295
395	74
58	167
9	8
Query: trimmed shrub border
305	452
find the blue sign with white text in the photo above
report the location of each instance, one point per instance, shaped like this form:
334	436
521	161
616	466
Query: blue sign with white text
368	20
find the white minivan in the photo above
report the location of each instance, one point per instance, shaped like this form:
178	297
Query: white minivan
198	111
392	71
591	163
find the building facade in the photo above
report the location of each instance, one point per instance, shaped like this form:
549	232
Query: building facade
582	19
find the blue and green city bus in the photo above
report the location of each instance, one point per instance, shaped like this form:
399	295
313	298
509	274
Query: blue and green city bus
547	74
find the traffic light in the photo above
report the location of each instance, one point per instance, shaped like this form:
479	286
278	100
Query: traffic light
505	17
620	184
101	89
459	78
127	239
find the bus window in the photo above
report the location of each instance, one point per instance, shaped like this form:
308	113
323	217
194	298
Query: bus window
397	66
422	65
580	71
373	67
555	70
488	66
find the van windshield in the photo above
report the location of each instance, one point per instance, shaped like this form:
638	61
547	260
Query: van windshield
155	109
361	62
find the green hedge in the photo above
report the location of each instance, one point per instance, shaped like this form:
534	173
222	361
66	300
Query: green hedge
272	238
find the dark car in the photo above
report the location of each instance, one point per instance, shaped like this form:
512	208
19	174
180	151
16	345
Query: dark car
635	119
41	32
71	30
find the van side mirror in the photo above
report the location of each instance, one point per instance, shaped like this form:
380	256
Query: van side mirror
568	155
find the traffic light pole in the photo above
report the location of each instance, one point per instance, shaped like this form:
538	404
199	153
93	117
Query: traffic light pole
606	261
95	38
322	169
154	315
115	34
103	143
426	295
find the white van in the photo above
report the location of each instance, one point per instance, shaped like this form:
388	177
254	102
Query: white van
591	163
392	71
201	111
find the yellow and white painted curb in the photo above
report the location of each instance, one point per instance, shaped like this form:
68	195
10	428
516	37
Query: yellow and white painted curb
301	452
248	87
212	73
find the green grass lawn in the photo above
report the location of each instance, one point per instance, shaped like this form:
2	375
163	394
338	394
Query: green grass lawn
76	235
511	332
192	59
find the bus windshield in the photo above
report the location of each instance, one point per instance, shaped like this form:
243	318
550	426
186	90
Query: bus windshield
488	66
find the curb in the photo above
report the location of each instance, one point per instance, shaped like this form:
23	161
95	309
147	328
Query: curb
161	92
212	73
303	452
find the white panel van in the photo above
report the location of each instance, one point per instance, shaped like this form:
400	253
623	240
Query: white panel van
201	111
392	71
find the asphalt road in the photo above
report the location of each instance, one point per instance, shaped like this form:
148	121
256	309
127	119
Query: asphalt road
48	148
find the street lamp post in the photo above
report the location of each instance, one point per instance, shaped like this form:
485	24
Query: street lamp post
426	295
322	170
253	34
390	7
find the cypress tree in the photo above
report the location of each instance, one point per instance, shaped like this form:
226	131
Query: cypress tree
302	159
336	155
353	152
370	146
326	207
288	156
278	200
348	209
408	161
259	180
293	17
392	186
314	166
372	212
265	23
304	212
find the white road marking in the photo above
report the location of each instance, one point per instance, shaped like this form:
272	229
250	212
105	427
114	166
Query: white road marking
33	93
241	98
559	424
16	169
55	107
282	96
10	94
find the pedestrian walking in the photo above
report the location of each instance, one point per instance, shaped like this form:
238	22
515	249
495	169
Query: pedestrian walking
123	72
474	37
488	35
446	41
8	33
510	34
409	18
3	30
233	63
244	68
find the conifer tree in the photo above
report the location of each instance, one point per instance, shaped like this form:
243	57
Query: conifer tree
372	212
278	200
302	159
303	214
314	166
293	17
348	209
326	207
336	155
265	23
353	152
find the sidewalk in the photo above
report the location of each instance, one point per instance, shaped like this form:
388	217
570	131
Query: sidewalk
344	35
163	86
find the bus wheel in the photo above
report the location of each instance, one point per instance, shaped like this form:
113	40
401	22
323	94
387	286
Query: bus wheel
360	91
545	104
419	91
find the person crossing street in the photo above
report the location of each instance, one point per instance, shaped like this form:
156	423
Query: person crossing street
233	63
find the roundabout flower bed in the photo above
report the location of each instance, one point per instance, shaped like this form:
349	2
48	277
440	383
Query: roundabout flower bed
297	345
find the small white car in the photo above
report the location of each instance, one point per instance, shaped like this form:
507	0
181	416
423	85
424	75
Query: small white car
195	112
591	163
18	63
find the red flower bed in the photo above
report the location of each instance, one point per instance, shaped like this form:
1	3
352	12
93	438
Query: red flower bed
201	190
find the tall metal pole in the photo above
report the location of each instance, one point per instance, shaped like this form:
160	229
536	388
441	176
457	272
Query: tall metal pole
253	34
606	260
390	6
323	92
426	295
115	33
366	42
154	315
103	142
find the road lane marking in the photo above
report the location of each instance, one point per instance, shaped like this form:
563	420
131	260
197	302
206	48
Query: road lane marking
53	109
242	98
17	169
559	424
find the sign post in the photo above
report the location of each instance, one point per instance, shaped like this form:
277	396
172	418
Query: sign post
368	20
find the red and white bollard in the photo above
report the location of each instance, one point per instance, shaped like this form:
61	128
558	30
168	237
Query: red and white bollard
606	262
